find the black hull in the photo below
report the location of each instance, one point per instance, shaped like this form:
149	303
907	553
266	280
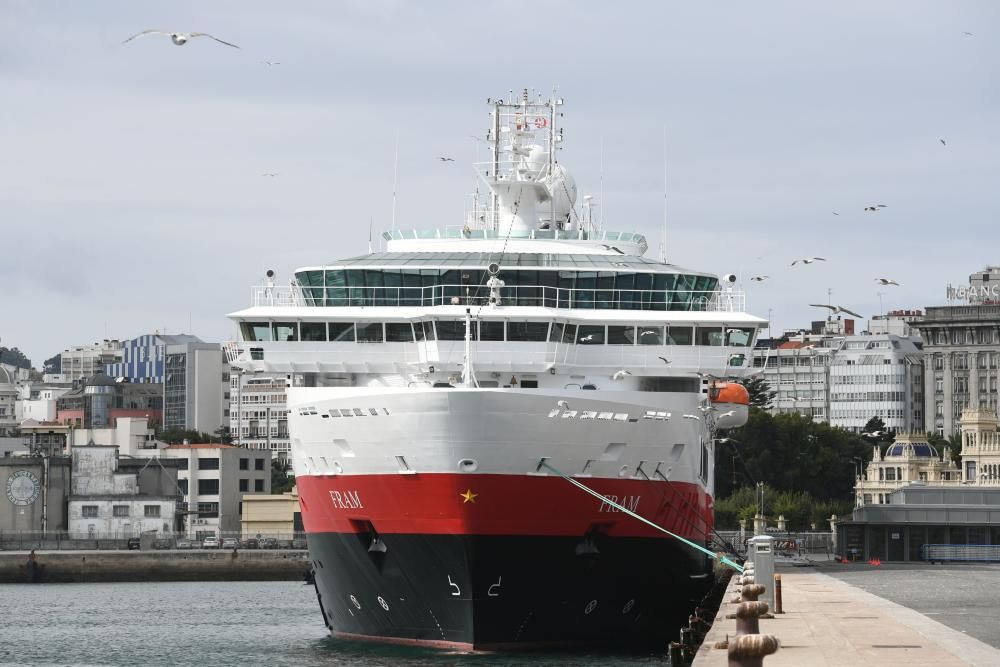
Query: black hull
499	592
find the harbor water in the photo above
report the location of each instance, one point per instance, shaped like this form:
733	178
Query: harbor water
217	624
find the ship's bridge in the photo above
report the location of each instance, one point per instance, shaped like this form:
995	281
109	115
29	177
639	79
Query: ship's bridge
555	241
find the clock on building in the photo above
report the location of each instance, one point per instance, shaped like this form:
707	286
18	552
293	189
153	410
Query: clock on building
22	487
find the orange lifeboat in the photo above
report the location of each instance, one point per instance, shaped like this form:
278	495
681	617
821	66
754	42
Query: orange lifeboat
731	401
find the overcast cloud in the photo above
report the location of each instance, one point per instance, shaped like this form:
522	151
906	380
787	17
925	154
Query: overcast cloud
131	195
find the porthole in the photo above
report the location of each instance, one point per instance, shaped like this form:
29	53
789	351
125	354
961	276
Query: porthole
468	465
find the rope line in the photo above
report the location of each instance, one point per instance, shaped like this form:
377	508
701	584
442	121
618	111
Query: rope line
724	560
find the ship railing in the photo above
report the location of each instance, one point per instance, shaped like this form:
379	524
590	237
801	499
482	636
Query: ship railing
546	234
544	296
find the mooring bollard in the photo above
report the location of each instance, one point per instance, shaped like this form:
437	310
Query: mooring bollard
676	655
747	615
749	650
777	594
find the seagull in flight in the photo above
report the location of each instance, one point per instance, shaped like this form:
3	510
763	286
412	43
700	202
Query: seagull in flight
728	413
179	38
942	142
874	434
587	338
664	360
835	213
446	159
874	207
611	247
563	404
270	174
836	310
620	374
269	63
808	260
694	417
759	279
726	440
886	281
967	34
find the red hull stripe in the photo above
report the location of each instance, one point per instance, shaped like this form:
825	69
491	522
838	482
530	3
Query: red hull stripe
481	504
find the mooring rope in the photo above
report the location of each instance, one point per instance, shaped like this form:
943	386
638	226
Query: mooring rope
722	559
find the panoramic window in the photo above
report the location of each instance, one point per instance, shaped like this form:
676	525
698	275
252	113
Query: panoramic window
256	331
398	332
562	333
342	332
527	331
313	331
621	335
491	331
429	331
679	335
285	331
369	332
709	336
590	334
650	335
453	330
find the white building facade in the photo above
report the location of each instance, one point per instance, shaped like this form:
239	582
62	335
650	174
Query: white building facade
85	360
259	413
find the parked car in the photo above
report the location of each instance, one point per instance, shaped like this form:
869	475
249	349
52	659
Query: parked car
185	543
163	543
210	542
230	543
299	543
133	544
269	543
284	544
251	543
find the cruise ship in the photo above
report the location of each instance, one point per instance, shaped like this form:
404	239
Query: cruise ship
480	413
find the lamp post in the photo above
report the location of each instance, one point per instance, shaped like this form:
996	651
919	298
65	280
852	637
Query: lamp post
859	486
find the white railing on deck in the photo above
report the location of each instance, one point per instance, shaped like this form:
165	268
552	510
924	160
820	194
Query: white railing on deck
727	300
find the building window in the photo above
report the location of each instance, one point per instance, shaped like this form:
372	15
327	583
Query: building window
119	510
208	464
89	511
258	464
244	485
258	485
244	464
970	471
922	476
182	486
183	464
208	487
151	511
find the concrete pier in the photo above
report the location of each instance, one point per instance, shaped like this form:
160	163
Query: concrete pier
195	565
829	622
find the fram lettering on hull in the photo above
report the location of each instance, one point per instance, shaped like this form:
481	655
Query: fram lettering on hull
628	502
346	500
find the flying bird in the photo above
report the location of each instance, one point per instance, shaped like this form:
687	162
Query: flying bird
563	404
694	417
706	408
616	249
967	34
728	413
726	440
836	310
587	338
446	159
808	260
269	63
835	213
874	434
886	281
620	374
759	279
874	207
179	38
664	360
942	142
271	174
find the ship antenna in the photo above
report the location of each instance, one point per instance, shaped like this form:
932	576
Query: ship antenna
395	180
371	224
663	233
600	201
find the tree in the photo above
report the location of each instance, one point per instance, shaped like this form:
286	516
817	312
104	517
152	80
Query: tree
760	392
281	481
52	364
223	434
14	357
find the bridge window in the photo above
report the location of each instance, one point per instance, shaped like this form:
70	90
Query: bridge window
398	332
621	335
527	331
453	330
679	335
562	333
370	332
256	331
312	331
739	336
492	331
285	331
429	331
650	335
709	336
590	334
342	332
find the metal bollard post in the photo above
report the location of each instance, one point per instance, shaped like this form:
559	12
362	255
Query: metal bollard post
676	655
747	615
749	650
777	594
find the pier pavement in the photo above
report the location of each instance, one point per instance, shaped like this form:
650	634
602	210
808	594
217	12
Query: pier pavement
828	621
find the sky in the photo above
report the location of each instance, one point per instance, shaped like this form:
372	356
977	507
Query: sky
131	189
